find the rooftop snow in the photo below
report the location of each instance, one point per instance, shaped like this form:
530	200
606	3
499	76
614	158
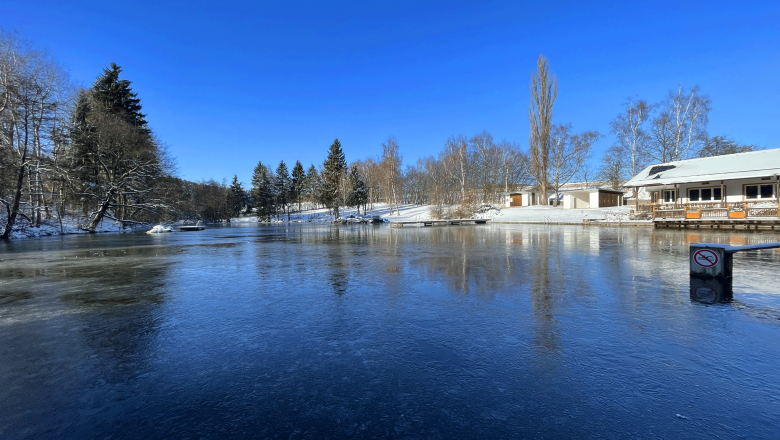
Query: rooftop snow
731	166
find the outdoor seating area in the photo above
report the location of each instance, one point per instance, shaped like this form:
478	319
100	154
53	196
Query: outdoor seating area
717	211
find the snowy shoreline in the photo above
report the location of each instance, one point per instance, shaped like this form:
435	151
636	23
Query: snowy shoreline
548	215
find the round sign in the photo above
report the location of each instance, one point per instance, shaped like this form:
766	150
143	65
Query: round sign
705	258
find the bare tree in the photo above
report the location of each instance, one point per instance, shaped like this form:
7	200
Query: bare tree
544	91
632	136
514	166
487	161
457	161
680	128
33	94
567	154
614	167
391	170
721	145
122	162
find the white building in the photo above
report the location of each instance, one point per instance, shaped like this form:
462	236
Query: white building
514	199
732	178
591	198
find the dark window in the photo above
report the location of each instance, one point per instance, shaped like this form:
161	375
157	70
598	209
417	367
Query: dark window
716	194
751	192
669	196
766	191
706	194
693	195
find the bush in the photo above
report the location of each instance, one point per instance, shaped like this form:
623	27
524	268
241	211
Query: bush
467	206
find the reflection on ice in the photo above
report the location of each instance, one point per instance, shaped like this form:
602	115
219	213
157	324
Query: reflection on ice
372	332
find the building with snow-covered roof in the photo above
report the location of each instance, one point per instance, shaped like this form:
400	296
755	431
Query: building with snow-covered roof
514	199
747	182
591	198
730	178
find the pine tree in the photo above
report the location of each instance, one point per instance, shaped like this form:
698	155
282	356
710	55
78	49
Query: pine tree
312	186
236	197
358	191
116	97
116	162
296	186
262	192
333	170
283	188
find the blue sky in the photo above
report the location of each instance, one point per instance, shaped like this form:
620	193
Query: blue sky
226	84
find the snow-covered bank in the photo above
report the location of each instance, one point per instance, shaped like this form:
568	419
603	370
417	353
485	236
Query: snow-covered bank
70	225
533	214
550	214
407	213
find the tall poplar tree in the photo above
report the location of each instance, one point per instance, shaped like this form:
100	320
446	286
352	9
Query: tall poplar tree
544	90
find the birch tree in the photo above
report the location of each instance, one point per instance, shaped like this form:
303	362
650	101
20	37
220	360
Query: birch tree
457	162
34	97
390	165
680	128
630	129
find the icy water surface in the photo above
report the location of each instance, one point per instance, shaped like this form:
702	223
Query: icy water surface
320	332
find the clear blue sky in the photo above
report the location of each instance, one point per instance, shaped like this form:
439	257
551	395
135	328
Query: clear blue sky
226	84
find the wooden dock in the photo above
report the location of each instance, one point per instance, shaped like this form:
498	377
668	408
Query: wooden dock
450	222
718	224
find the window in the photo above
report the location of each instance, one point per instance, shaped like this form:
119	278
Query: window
753	192
704	195
669	196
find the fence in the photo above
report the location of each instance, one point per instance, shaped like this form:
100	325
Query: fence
717	210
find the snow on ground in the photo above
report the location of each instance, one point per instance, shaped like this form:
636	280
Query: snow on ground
551	214
70	225
531	214
407	213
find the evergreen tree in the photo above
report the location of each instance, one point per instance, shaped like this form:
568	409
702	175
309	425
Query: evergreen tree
262	192
116	163
236	197
283	188
297	183
312	186
116	97
333	171
358	194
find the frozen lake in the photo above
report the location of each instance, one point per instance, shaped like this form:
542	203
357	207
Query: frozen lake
321	332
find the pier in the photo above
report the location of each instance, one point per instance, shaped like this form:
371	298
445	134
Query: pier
718	224
451	222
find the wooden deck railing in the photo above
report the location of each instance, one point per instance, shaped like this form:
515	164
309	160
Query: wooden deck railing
714	210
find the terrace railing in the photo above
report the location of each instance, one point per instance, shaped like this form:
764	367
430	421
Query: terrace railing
717	210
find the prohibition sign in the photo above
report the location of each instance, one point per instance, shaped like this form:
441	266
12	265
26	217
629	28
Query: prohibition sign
705	258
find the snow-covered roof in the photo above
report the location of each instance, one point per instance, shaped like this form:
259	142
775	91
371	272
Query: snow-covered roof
519	192
731	166
590	190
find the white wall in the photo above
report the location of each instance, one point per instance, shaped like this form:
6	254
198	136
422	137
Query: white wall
594	199
734	188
